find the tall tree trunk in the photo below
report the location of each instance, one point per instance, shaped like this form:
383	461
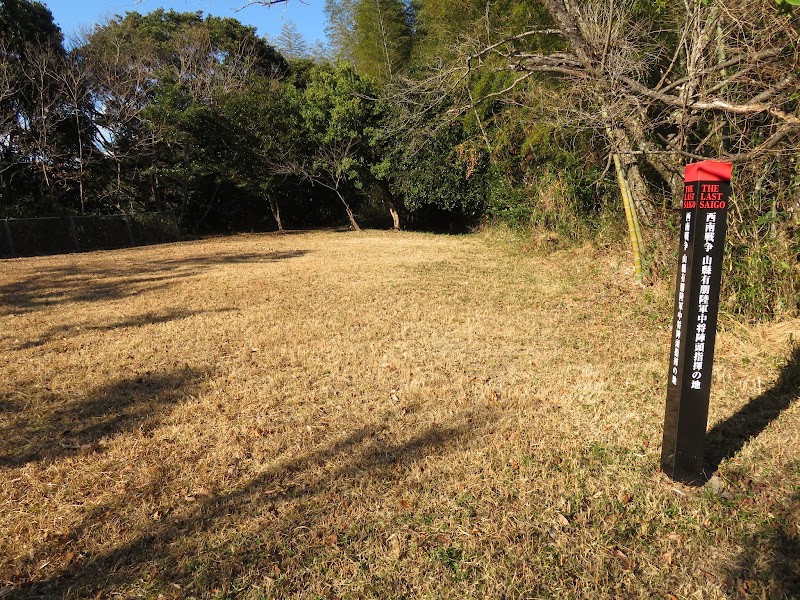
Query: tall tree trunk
185	187
209	207
388	197
118	195
350	214
154	190
80	159
395	217
275	208
624	148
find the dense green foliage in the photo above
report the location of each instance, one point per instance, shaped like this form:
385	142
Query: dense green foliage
383	31
445	114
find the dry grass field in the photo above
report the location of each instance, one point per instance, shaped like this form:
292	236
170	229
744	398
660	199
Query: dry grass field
335	415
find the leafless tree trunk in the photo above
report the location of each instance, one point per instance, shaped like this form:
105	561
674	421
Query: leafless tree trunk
74	80
388	198
275	209
725	92
327	167
353	223
395	217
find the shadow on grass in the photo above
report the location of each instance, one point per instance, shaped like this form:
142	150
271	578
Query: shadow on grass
274	525
57	427
62	332
770	565
77	283
728	437
228	259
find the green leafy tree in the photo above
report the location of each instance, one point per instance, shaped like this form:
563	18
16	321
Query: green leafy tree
434	167
382	38
341	27
160	78
291	42
40	124
333	150
257	125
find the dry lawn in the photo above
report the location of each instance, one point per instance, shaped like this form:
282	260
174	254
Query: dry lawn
334	415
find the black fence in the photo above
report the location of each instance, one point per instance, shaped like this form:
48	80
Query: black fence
60	235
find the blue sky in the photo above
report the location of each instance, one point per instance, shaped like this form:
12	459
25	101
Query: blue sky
307	15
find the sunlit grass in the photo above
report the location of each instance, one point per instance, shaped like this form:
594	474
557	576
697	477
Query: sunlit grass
381	415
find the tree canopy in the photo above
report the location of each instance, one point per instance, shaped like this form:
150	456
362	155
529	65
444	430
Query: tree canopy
442	114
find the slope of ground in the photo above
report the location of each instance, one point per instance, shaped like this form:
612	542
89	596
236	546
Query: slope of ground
334	415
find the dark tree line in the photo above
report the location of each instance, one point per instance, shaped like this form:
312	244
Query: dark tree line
178	112
550	113
447	113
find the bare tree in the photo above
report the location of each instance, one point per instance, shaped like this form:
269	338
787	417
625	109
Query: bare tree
122	86
41	131
726	91
266	3
9	90
207	73
697	80
329	167
74	78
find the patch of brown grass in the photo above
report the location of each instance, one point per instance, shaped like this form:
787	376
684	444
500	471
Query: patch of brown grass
377	415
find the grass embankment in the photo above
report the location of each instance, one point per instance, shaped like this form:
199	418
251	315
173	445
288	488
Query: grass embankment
377	415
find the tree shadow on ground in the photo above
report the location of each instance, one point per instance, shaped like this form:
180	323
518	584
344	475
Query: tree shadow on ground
62	332
769	567
728	437
227	259
282	518
58	426
92	283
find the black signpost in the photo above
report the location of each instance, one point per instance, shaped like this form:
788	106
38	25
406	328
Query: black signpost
703	224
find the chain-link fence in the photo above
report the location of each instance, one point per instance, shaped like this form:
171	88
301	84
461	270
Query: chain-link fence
58	235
